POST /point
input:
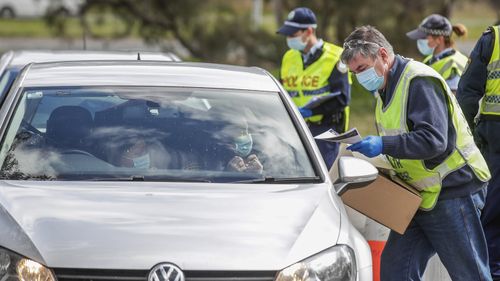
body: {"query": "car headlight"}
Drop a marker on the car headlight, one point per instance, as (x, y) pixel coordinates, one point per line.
(14, 267)
(334, 264)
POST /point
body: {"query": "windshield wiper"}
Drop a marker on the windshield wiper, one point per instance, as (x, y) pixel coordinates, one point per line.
(282, 180)
(148, 178)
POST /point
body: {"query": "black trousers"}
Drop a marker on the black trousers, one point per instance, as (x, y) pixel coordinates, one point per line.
(487, 134)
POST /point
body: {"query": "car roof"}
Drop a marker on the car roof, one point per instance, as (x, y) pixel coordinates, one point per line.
(24, 57)
(148, 73)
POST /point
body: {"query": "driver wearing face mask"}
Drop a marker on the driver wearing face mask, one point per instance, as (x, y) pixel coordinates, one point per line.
(136, 155)
(435, 42)
(310, 69)
(136, 152)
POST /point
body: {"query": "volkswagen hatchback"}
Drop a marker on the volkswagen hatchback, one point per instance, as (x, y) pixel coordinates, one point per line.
(167, 171)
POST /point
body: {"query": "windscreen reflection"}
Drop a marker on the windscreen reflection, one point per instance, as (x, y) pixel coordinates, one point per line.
(151, 133)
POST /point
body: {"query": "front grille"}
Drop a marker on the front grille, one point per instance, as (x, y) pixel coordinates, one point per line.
(64, 274)
(229, 275)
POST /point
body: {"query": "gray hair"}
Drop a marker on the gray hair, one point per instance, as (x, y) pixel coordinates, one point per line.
(365, 40)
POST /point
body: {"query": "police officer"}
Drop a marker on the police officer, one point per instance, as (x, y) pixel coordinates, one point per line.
(424, 136)
(311, 68)
(435, 42)
(479, 92)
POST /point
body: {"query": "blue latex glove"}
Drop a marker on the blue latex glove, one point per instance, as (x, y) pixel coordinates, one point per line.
(370, 146)
(306, 112)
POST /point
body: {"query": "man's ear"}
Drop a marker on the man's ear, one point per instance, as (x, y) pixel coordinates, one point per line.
(383, 54)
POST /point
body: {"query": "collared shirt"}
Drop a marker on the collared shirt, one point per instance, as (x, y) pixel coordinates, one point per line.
(443, 53)
(312, 51)
(392, 79)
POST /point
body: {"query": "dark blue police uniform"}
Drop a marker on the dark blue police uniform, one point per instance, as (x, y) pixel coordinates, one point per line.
(471, 89)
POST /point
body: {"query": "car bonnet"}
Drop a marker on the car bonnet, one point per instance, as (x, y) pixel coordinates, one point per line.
(135, 225)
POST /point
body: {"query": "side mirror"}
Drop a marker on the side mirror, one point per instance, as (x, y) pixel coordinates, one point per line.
(354, 173)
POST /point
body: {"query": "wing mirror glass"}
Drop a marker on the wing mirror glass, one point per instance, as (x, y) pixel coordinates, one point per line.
(354, 173)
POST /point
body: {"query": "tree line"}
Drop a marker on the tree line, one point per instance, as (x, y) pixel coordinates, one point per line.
(225, 31)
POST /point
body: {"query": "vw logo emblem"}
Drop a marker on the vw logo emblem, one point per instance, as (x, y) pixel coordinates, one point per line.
(166, 272)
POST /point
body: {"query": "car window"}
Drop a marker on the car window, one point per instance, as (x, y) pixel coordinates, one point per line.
(6, 81)
(152, 133)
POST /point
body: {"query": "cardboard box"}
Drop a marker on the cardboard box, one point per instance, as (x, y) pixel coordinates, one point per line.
(389, 202)
(385, 201)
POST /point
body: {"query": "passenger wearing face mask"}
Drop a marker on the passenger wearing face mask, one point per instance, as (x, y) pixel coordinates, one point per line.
(311, 68)
(426, 139)
(435, 42)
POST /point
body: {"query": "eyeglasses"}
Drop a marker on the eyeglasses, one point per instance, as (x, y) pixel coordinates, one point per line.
(353, 44)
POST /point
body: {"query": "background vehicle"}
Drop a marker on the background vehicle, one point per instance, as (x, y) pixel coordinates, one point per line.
(38, 8)
(111, 169)
(12, 61)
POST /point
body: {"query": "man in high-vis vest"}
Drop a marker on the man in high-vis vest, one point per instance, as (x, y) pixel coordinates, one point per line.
(312, 69)
(479, 92)
(423, 134)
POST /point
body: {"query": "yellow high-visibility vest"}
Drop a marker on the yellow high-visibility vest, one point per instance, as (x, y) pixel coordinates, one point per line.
(305, 84)
(490, 104)
(448, 65)
(392, 120)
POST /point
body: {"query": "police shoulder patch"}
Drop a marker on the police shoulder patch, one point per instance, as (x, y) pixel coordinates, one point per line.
(341, 67)
(488, 30)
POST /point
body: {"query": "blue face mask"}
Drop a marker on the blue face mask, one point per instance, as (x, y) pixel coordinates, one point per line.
(423, 47)
(296, 43)
(243, 145)
(370, 80)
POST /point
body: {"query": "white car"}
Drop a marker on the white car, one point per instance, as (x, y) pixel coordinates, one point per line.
(155, 171)
(12, 62)
(37, 8)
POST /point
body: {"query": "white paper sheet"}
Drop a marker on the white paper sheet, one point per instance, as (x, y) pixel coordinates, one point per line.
(351, 136)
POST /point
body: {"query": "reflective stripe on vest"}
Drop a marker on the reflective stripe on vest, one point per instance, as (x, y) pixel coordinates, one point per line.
(392, 120)
(490, 104)
(448, 65)
(305, 84)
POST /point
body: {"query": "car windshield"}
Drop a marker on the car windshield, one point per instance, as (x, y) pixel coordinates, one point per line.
(152, 133)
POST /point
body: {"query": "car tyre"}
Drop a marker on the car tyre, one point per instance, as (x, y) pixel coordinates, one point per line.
(7, 13)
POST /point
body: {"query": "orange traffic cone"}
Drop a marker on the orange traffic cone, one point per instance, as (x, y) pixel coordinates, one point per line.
(377, 247)
(376, 235)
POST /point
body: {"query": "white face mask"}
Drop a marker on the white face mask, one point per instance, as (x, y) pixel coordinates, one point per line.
(296, 43)
(142, 162)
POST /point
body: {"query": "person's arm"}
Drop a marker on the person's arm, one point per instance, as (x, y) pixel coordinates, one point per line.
(339, 82)
(427, 122)
(472, 83)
